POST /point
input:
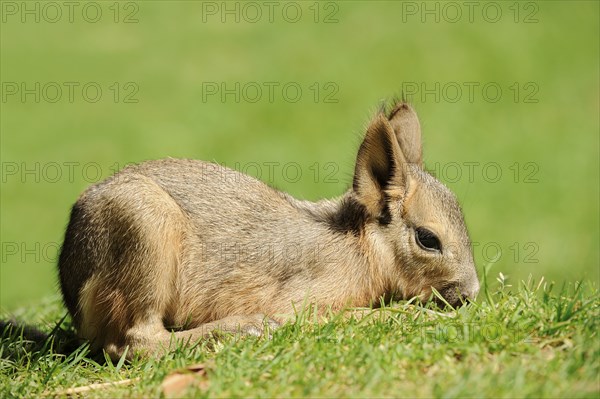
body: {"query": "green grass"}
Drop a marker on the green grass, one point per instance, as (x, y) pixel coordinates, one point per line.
(535, 340)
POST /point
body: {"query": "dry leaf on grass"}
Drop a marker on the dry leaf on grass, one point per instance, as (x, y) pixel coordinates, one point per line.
(177, 382)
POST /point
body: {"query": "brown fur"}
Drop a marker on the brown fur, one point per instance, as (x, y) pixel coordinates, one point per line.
(198, 247)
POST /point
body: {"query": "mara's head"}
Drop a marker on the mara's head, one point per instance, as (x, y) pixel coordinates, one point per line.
(417, 218)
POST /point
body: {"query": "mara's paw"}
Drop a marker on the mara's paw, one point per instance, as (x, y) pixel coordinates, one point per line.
(257, 325)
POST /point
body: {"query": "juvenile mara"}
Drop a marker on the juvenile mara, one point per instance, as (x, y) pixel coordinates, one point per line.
(195, 246)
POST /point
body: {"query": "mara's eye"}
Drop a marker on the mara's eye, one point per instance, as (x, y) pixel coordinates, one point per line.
(427, 240)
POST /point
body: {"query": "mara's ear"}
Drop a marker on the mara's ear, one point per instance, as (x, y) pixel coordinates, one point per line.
(407, 128)
(379, 165)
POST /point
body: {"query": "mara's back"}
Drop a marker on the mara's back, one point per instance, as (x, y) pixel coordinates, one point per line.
(209, 192)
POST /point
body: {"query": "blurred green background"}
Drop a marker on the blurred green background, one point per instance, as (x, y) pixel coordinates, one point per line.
(181, 79)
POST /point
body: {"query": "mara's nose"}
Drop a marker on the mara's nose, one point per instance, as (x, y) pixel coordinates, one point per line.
(471, 292)
(462, 299)
(457, 296)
